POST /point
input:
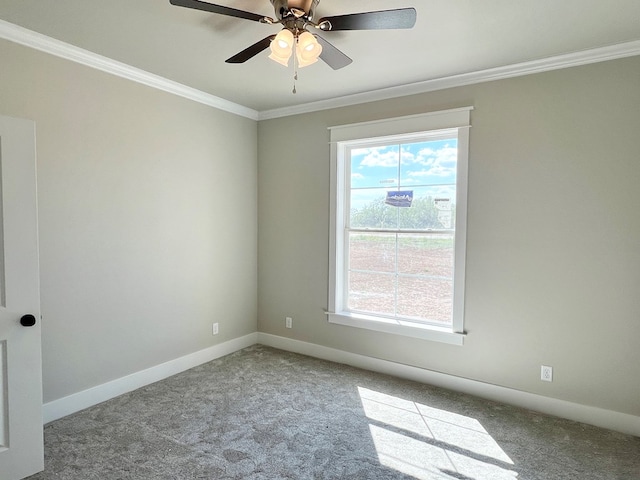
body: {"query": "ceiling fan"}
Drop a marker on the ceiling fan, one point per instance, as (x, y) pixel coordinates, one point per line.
(296, 17)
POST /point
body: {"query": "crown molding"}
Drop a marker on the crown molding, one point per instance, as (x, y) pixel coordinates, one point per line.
(38, 41)
(29, 38)
(585, 57)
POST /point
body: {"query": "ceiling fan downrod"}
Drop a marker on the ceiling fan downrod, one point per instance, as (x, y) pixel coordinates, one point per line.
(284, 8)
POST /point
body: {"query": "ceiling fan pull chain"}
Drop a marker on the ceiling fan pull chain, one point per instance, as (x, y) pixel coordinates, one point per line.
(295, 70)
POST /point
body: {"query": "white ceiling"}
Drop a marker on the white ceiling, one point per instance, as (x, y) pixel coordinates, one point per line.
(451, 37)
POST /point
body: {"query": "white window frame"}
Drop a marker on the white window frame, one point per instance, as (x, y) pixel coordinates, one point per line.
(345, 136)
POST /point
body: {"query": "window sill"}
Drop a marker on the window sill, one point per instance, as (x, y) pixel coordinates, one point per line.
(397, 327)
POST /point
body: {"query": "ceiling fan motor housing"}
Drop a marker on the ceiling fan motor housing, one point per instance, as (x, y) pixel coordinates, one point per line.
(283, 7)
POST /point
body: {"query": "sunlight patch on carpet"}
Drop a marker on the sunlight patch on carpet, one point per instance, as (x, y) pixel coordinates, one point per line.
(428, 443)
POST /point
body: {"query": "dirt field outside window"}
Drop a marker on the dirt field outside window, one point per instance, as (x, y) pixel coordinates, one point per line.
(411, 277)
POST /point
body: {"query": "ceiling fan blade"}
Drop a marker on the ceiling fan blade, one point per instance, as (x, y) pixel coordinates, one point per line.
(384, 19)
(332, 56)
(251, 51)
(210, 7)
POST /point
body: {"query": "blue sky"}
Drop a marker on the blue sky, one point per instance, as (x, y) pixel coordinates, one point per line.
(427, 168)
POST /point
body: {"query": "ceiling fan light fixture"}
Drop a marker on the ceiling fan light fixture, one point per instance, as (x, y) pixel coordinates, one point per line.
(282, 47)
(298, 15)
(307, 49)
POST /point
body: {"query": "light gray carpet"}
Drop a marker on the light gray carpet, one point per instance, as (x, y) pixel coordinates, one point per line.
(267, 414)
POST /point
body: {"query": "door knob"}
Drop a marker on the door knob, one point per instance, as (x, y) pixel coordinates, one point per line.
(28, 320)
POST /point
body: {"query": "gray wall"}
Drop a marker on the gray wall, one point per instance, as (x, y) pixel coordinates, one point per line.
(553, 256)
(148, 219)
(149, 207)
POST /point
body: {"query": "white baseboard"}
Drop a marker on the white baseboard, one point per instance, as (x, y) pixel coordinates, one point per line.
(79, 401)
(599, 417)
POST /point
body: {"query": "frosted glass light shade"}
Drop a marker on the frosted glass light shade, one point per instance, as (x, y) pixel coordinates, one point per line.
(307, 49)
(282, 47)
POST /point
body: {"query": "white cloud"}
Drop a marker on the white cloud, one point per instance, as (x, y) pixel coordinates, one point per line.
(426, 155)
(408, 158)
(409, 181)
(378, 158)
(438, 163)
(427, 162)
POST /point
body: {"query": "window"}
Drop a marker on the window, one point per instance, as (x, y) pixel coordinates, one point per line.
(398, 225)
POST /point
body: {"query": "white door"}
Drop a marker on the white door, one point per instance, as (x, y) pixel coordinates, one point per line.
(21, 442)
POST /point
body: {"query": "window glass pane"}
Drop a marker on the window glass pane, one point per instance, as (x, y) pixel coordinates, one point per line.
(369, 210)
(431, 208)
(371, 292)
(429, 163)
(427, 255)
(375, 166)
(425, 298)
(373, 252)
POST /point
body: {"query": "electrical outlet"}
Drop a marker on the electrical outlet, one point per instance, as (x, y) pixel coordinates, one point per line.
(288, 322)
(546, 373)
(215, 329)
